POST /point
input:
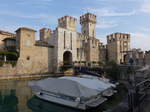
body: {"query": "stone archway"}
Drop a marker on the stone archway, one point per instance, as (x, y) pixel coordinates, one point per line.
(67, 58)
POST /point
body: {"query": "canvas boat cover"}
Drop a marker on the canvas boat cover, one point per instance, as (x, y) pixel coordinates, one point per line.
(97, 84)
(65, 87)
(72, 86)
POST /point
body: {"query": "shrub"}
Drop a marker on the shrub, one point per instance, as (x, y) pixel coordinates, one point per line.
(112, 70)
(10, 55)
(1, 63)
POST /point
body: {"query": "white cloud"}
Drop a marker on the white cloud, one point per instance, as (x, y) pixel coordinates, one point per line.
(45, 18)
(140, 40)
(144, 29)
(109, 12)
(103, 24)
(14, 27)
(23, 15)
(104, 13)
(9, 28)
(145, 6)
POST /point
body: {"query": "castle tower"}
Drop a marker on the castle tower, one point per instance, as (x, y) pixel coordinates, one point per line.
(25, 38)
(45, 34)
(88, 22)
(118, 45)
(68, 22)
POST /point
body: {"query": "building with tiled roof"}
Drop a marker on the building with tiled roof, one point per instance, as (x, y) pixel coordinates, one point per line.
(3, 36)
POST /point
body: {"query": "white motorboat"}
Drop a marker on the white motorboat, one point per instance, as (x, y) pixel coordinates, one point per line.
(76, 92)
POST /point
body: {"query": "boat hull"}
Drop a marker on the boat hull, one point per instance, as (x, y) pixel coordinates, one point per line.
(61, 101)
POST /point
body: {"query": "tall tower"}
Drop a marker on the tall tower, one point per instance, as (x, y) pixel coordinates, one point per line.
(118, 45)
(25, 38)
(45, 34)
(88, 22)
(68, 22)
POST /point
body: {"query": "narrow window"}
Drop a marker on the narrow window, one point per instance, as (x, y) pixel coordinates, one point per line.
(78, 52)
(71, 40)
(93, 33)
(64, 39)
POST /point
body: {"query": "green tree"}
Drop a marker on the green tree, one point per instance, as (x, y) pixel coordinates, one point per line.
(112, 70)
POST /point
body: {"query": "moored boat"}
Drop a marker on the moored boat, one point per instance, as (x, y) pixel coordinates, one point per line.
(77, 92)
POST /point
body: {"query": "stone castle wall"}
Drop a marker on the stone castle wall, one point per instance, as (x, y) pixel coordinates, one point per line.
(40, 62)
(32, 58)
(65, 40)
(93, 50)
(7, 69)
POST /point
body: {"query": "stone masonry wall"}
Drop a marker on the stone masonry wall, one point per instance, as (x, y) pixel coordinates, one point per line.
(33, 59)
(40, 63)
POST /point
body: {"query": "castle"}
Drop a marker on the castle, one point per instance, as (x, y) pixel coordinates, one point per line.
(66, 46)
(73, 47)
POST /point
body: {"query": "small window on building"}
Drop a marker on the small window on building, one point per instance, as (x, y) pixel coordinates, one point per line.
(93, 33)
(28, 57)
(92, 41)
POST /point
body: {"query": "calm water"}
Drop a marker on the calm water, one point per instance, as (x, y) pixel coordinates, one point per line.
(16, 96)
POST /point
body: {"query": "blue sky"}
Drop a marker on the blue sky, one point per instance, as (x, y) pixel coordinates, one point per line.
(128, 16)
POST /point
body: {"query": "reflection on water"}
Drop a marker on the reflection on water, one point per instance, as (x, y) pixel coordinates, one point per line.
(16, 96)
(8, 103)
(38, 105)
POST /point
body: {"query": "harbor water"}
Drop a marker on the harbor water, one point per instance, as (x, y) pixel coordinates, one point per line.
(16, 96)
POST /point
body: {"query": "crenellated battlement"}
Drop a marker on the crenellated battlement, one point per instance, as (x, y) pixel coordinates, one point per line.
(88, 23)
(46, 30)
(45, 33)
(67, 17)
(118, 37)
(68, 22)
(88, 17)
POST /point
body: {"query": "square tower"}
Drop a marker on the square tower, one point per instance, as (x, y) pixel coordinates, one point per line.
(68, 22)
(25, 39)
(88, 22)
(45, 34)
(118, 45)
